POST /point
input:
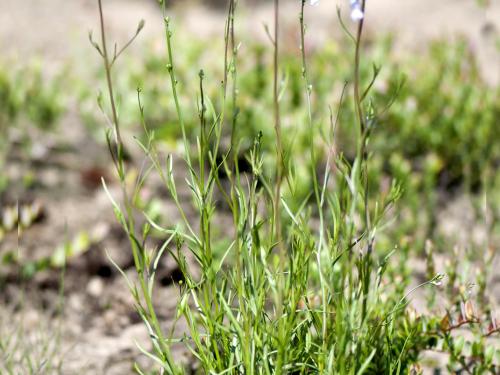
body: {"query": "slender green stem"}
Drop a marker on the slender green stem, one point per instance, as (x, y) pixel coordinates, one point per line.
(173, 82)
(362, 155)
(357, 78)
(108, 77)
(139, 260)
(119, 143)
(277, 129)
(317, 194)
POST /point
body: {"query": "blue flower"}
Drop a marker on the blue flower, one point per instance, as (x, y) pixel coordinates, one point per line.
(356, 10)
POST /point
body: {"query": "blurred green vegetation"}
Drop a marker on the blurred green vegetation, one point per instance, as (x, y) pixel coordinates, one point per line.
(26, 95)
(28, 101)
(438, 136)
(436, 129)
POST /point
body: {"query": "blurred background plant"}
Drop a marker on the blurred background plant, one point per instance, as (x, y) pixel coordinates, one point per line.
(439, 133)
(29, 104)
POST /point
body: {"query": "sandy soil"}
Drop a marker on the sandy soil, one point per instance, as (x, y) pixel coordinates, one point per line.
(56, 30)
(99, 339)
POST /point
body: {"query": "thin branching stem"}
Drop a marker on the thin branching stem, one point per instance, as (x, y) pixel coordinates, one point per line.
(277, 129)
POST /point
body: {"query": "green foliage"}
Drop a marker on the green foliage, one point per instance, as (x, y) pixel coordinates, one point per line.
(26, 95)
(27, 351)
(26, 98)
(301, 282)
(444, 120)
(439, 132)
(20, 217)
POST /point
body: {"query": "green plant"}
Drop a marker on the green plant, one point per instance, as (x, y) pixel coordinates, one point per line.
(26, 99)
(31, 344)
(300, 284)
(26, 95)
(433, 146)
(27, 351)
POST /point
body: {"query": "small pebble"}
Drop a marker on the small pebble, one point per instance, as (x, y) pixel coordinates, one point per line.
(95, 287)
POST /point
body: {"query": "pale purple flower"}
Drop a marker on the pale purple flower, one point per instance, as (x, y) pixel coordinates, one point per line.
(356, 10)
